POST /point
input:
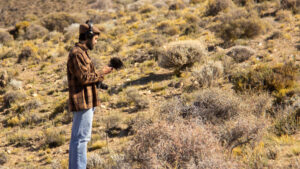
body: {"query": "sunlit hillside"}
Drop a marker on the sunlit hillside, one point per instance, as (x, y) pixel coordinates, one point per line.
(206, 83)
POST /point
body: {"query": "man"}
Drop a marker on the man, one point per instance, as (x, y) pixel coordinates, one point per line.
(83, 96)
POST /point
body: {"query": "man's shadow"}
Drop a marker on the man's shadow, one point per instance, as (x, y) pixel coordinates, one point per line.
(152, 77)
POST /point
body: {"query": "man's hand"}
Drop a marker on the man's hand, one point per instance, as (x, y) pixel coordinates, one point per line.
(107, 70)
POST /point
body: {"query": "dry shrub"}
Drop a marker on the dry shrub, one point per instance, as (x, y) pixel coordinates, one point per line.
(102, 4)
(133, 96)
(178, 4)
(168, 28)
(284, 16)
(32, 104)
(58, 21)
(181, 54)
(241, 2)
(12, 97)
(294, 5)
(207, 74)
(71, 31)
(34, 31)
(150, 38)
(147, 8)
(8, 54)
(19, 30)
(215, 105)
(216, 6)
(196, 1)
(26, 53)
(242, 130)
(100, 16)
(5, 38)
(94, 161)
(54, 36)
(257, 104)
(238, 23)
(176, 145)
(240, 53)
(140, 56)
(3, 78)
(3, 158)
(212, 105)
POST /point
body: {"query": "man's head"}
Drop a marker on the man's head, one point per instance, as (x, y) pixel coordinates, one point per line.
(88, 34)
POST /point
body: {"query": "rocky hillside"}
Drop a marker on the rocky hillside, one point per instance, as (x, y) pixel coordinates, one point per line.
(206, 83)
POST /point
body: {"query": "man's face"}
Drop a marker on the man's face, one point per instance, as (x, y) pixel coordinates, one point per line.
(92, 42)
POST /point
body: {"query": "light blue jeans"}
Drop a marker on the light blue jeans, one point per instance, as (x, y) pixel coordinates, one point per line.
(81, 135)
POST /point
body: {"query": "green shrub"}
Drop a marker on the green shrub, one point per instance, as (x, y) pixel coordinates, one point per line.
(58, 21)
(266, 77)
(181, 54)
(19, 30)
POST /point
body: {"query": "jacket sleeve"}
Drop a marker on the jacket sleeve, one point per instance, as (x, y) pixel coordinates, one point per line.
(81, 71)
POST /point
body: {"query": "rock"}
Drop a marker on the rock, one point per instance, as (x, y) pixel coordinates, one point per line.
(16, 84)
(240, 53)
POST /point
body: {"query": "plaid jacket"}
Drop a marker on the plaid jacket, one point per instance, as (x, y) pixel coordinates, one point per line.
(82, 79)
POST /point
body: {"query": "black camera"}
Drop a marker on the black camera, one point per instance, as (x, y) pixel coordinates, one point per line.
(101, 85)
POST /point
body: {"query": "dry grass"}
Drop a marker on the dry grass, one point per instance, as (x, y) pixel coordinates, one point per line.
(54, 137)
(12, 97)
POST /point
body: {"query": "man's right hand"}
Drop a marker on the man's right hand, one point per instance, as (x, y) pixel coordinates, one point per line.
(107, 70)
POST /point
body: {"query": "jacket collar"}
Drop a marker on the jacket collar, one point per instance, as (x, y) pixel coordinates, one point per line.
(82, 46)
